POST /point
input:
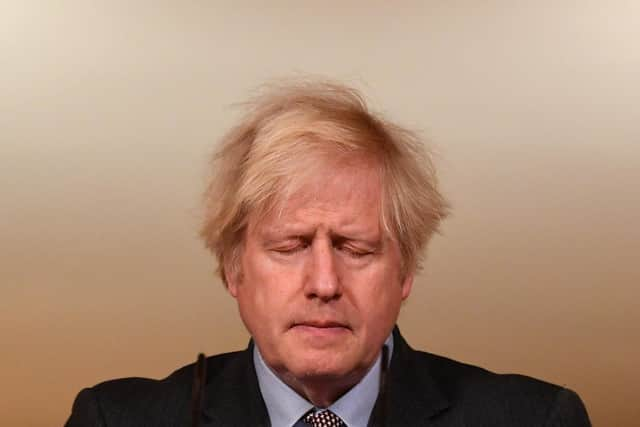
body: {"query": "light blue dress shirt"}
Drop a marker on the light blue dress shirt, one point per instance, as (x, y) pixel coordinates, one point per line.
(286, 407)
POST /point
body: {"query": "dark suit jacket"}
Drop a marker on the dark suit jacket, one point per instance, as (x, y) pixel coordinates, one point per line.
(422, 390)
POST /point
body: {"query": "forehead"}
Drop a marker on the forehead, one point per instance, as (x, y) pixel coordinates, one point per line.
(344, 196)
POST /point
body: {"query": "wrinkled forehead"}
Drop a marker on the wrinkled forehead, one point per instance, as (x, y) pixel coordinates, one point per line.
(346, 190)
(349, 179)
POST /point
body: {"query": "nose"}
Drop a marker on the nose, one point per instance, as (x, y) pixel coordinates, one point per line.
(322, 279)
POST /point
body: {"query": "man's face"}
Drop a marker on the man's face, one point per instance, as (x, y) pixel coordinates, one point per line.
(320, 285)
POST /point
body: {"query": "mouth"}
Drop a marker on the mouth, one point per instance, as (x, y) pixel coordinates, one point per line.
(320, 324)
(320, 330)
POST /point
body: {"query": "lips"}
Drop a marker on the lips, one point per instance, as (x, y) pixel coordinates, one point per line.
(321, 324)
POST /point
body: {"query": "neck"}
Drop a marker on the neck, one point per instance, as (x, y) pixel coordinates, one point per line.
(323, 392)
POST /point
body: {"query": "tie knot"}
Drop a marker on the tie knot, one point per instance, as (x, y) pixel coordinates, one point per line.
(323, 419)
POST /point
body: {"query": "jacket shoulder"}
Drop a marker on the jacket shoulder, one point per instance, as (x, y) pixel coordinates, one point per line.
(138, 401)
(459, 378)
(502, 399)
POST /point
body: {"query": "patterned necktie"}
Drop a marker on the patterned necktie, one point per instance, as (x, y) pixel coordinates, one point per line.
(324, 419)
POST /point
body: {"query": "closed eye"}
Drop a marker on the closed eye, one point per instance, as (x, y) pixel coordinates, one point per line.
(355, 252)
(291, 247)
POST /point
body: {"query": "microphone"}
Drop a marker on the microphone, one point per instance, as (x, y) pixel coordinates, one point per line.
(197, 391)
(381, 401)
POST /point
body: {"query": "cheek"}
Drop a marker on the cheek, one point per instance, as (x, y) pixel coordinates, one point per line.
(265, 287)
(377, 292)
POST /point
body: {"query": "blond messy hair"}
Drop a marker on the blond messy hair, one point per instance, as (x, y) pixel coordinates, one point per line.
(291, 129)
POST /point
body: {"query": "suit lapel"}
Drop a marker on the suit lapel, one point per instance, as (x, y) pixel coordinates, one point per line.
(412, 395)
(232, 396)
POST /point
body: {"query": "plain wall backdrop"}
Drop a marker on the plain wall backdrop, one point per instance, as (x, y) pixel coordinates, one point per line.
(109, 111)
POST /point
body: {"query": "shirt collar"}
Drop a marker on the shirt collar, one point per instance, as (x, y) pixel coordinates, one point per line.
(285, 406)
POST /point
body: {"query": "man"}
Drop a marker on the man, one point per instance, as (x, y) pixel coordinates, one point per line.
(318, 214)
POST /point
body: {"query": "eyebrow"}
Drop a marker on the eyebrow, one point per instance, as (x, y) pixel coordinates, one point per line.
(273, 235)
(374, 242)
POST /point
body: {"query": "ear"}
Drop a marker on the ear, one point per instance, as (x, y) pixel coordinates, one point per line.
(232, 270)
(232, 287)
(407, 284)
(232, 279)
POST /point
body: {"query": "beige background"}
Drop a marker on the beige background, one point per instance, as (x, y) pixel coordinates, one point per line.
(109, 110)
